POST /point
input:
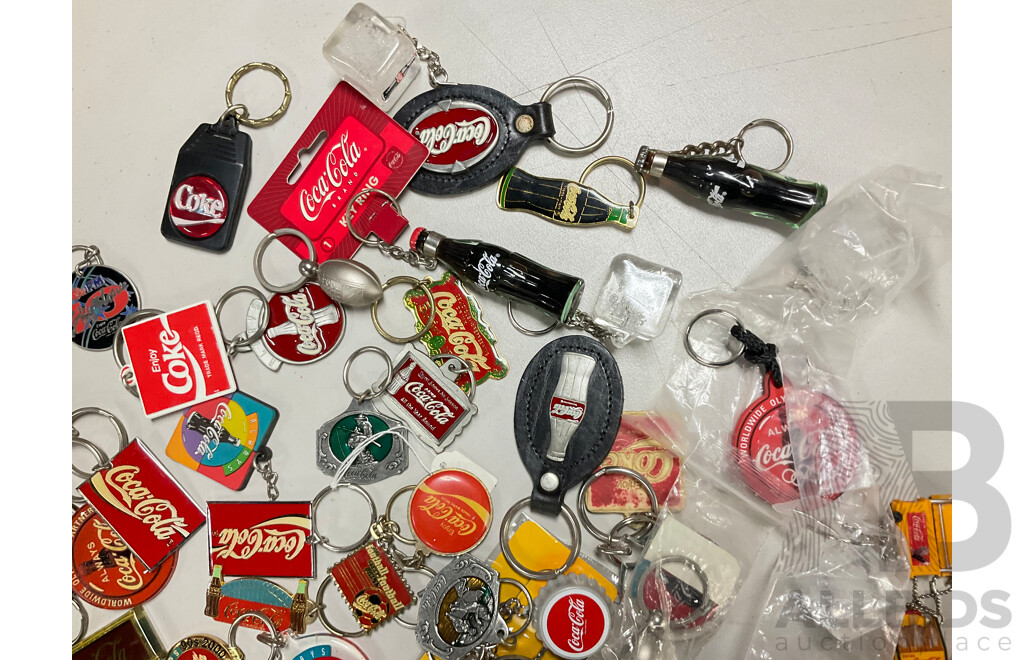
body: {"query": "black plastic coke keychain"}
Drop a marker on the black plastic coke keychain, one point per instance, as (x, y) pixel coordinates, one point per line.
(717, 173)
(212, 173)
(476, 133)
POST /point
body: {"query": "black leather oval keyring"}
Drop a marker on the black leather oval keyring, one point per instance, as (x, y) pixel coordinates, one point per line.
(475, 134)
(567, 414)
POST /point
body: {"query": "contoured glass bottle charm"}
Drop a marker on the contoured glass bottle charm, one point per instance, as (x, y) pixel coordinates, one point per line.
(718, 174)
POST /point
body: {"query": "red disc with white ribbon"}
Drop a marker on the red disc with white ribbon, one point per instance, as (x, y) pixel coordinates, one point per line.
(198, 207)
(305, 325)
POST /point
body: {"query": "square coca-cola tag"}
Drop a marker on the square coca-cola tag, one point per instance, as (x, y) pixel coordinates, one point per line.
(358, 146)
(435, 408)
(178, 359)
(261, 539)
(143, 504)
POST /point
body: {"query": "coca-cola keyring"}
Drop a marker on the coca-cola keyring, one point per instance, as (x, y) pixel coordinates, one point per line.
(717, 173)
(102, 459)
(212, 172)
(205, 646)
(475, 134)
(830, 450)
(545, 574)
(101, 300)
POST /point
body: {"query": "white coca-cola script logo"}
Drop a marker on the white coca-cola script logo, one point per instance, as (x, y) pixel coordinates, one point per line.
(340, 160)
(566, 409)
(769, 458)
(298, 311)
(440, 139)
(577, 618)
(485, 269)
(181, 369)
(211, 436)
(161, 516)
(441, 413)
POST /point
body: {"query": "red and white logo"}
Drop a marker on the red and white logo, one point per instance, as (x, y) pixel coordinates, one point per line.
(566, 409)
(575, 624)
(305, 325)
(198, 207)
(178, 359)
(261, 539)
(458, 134)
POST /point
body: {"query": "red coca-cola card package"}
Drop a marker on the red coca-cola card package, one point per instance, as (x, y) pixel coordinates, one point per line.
(178, 359)
(360, 147)
(144, 505)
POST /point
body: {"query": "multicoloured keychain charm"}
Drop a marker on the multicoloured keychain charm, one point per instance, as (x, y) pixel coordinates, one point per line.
(226, 601)
(101, 299)
(212, 172)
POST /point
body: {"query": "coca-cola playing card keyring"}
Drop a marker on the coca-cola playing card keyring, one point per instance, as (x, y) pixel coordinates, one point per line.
(547, 573)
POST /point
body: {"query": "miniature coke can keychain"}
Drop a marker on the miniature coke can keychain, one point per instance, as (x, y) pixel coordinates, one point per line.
(212, 172)
(767, 460)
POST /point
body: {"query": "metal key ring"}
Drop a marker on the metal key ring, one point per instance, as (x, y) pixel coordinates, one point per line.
(118, 350)
(770, 123)
(229, 92)
(612, 469)
(692, 352)
(233, 345)
(705, 602)
(84, 626)
(601, 93)
(547, 573)
(628, 522)
(529, 605)
(314, 535)
(422, 285)
(365, 240)
(323, 612)
(467, 368)
(429, 572)
(526, 331)
(101, 456)
(634, 208)
(238, 110)
(307, 267)
(92, 257)
(275, 646)
(391, 505)
(373, 390)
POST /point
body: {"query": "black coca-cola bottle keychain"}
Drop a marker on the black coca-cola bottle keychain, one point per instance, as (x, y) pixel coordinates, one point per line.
(212, 172)
(717, 173)
(475, 133)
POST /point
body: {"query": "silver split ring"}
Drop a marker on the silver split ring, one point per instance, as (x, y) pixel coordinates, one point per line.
(323, 612)
(275, 650)
(601, 93)
(467, 368)
(99, 454)
(529, 605)
(233, 345)
(118, 352)
(314, 536)
(351, 203)
(526, 331)
(305, 266)
(373, 390)
(692, 352)
(547, 573)
(769, 123)
(613, 469)
(705, 602)
(84, 625)
(429, 572)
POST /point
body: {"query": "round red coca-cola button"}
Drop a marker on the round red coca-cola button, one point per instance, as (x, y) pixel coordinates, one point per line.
(198, 207)
(450, 512)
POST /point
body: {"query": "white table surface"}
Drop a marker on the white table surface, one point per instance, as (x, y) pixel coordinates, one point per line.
(859, 85)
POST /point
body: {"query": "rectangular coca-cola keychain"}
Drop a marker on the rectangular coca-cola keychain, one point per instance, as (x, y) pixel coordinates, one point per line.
(261, 539)
(144, 504)
(177, 359)
(349, 146)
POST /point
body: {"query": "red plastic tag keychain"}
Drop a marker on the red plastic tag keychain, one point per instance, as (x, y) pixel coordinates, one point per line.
(761, 438)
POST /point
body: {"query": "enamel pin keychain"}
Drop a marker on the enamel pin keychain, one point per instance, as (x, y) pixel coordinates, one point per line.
(102, 298)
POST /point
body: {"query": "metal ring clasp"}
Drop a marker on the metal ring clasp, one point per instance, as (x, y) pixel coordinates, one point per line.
(634, 208)
(276, 641)
(366, 192)
(394, 531)
(548, 573)
(244, 119)
(118, 352)
(83, 627)
(430, 573)
(373, 390)
(705, 601)
(99, 454)
(322, 609)
(232, 346)
(527, 331)
(422, 285)
(527, 615)
(769, 123)
(609, 538)
(466, 368)
(692, 352)
(92, 257)
(307, 267)
(314, 535)
(602, 95)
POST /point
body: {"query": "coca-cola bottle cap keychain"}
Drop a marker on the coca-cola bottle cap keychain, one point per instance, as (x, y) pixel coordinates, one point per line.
(102, 298)
(212, 172)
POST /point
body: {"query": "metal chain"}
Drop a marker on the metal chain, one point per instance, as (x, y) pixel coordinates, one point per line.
(586, 323)
(438, 76)
(408, 256)
(731, 147)
(266, 469)
(91, 258)
(917, 601)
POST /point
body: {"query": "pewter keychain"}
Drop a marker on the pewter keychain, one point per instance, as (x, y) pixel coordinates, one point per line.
(212, 172)
(102, 298)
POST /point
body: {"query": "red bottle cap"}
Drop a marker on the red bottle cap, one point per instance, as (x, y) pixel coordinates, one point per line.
(412, 239)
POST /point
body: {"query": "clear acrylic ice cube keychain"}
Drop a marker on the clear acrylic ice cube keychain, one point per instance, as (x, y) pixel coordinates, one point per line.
(636, 299)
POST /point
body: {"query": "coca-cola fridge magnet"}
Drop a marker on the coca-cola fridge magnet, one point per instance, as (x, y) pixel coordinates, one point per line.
(101, 299)
(567, 414)
(574, 616)
(831, 454)
(212, 172)
(425, 397)
(143, 504)
(475, 134)
(351, 145)
(570, 203)
(261, 539)
(226, 601)
(221, 438)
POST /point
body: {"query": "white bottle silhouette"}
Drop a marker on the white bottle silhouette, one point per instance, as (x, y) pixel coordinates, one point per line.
(572, 386)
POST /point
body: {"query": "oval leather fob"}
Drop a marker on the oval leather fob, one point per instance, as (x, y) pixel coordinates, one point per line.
(473, 133)
(567, 414)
